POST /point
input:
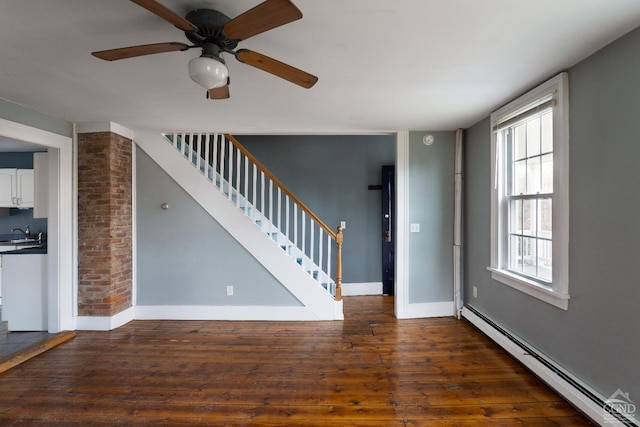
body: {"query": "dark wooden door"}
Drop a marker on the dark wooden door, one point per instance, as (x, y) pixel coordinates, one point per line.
(388, 229)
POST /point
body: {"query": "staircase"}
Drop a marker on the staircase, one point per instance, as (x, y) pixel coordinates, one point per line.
(280, 232)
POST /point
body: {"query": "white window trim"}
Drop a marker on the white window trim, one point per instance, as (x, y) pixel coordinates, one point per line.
(558, 294)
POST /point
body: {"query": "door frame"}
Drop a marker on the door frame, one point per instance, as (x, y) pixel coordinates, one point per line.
(61, 280)
(401, 280)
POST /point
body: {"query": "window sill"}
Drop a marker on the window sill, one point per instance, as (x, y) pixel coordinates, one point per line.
(530, 287)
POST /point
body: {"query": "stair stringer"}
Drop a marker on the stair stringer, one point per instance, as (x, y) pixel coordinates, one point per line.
(315, 299)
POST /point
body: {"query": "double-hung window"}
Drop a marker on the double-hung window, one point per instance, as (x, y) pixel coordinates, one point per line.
(530, 189)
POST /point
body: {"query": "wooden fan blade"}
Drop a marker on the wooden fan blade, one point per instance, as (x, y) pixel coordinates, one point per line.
(263, 17)
(219, 92)
(141, 50)
(277, 68)
(167, 14)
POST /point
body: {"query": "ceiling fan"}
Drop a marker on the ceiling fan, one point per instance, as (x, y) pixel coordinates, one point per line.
(216, 33)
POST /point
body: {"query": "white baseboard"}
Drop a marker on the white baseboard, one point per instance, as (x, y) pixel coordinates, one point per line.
(198, 312)
(366, 288)
(267, 313)
(551, 376)
(428, 309)
(105, 323)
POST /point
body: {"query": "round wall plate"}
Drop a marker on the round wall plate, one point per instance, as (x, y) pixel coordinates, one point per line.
(428, 139)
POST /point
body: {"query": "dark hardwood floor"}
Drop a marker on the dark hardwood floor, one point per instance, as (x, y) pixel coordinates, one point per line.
(369, 370)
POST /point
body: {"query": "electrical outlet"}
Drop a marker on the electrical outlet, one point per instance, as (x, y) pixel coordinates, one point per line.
(475, 292)
(229, 291)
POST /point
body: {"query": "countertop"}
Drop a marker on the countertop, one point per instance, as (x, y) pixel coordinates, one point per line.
(27, 251)
(22, 247)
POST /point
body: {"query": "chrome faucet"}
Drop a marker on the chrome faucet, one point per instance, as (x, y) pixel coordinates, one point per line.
(26, 233)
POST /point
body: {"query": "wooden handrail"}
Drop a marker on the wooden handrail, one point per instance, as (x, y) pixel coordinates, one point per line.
(196, 157)
(276, 181)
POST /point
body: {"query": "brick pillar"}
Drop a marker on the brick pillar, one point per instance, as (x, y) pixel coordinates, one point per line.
(104, 224)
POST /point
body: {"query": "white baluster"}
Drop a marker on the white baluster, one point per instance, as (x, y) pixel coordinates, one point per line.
(230, 180)
(175, 141)
(304, 234)
(183, 147)
(295, 225)
(279, 208)
(320, 244)
(311, 240)
(271, 221)
(238, 187)
(262, 198)
(198, 152)
(287, 202)
(255, 186)
(246, 180)
(191, 144)
(223, 154)
(214, 162)
(329, 244)
(207, 148)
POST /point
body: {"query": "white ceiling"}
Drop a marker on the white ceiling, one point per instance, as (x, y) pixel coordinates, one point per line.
(382, 65)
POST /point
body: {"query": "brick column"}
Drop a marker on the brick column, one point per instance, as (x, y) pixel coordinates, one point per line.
(104, 224)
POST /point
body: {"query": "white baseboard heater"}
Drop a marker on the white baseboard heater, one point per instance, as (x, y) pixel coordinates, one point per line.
(591, 403)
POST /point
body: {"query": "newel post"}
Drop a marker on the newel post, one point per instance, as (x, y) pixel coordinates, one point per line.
(339, 239)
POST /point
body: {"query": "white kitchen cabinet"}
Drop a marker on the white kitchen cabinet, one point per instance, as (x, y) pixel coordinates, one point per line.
(7, 187)
(16, 188)
(24, 293)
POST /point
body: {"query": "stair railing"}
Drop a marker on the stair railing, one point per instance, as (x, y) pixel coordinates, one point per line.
(266, 201)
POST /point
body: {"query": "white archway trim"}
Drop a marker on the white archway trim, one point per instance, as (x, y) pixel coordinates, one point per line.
(61, 235)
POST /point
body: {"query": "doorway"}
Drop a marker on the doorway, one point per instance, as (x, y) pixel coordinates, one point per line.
(388, 229)
(60, 277)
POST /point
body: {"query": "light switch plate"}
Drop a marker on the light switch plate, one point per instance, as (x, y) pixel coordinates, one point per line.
(415, 228)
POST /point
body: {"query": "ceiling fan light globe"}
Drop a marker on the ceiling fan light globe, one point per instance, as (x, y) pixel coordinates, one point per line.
(208, 72)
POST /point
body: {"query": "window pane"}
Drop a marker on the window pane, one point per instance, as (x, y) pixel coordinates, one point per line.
(529, 217)
(533, 137)
(534, 176)
(519, 177)
(515, 253)
(515, 216)
(547, 173)
(544, 221)
(529, 256)
(544, 260)
(547, 132)
(519, 140)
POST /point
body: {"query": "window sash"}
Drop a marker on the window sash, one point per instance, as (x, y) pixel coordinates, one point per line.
(557, 292)
(523, 181)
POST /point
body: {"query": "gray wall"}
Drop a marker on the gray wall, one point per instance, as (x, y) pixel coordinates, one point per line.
(184, 257)
(18, 160)
(431, 181)
(597, 338)
(331, 175)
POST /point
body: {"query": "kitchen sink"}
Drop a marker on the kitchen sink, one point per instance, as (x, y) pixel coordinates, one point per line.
(24, 241)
